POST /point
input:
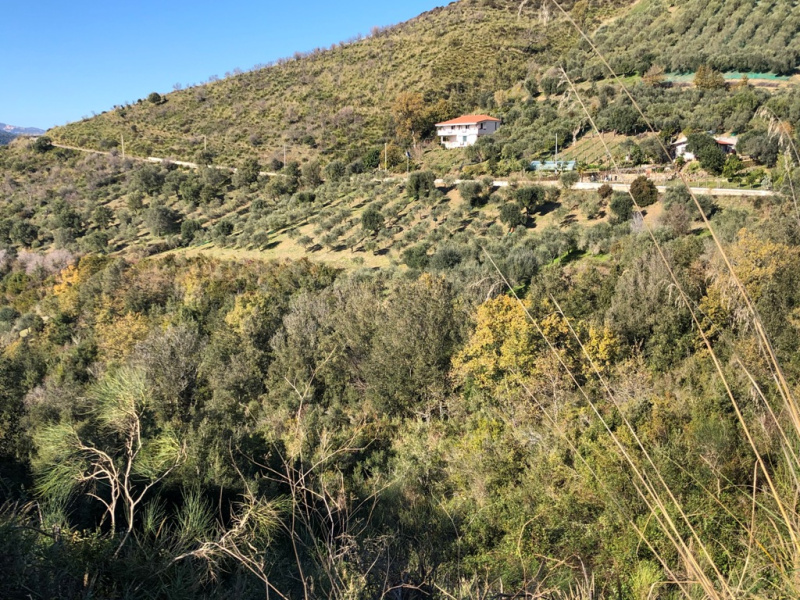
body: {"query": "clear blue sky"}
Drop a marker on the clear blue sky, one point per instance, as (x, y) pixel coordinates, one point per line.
(63, 60)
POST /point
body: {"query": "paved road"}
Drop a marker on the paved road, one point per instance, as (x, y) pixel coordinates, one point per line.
(624, 187)
(583, 185)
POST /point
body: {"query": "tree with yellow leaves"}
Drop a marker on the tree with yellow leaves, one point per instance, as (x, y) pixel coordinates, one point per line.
(408, 111)
(413, 118)
(505, 342)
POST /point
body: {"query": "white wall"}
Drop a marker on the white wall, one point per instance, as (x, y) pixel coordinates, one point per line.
(459, 132)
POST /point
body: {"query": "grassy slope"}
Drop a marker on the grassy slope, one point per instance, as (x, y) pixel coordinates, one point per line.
(337, 102)
(341, 97)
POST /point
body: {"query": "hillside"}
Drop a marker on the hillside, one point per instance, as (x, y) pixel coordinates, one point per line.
(452, 379)
(333, 111)
(747, 36)
(344, 433)
(339, 101)
(5, 137)
(342, 102)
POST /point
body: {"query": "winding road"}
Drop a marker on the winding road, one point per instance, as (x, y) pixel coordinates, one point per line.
(583, 185)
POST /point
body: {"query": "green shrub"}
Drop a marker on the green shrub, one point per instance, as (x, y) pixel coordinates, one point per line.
(189, 229)
(622, 206)
(605, 192)
(42, 144)
(511, 214)
(161, 220)
(644, 191)
(335, 170)
(569, 179)
(471, 193)
(531, 197)
(421, 184)
(372, 220)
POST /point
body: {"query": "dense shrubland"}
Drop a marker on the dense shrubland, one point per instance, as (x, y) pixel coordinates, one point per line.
(524, 392)
(198, 428)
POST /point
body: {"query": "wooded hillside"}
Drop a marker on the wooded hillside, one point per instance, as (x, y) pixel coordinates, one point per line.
(317, 378)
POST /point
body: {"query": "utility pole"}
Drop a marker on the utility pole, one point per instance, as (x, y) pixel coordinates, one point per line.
(386, 156)
(205, 143)
(284, 155)
(122, 135)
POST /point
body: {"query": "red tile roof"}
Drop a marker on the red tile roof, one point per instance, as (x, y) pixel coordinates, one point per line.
(469, 120)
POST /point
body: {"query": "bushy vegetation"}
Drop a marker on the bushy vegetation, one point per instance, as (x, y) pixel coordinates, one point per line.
(289, 376)
(293, 425)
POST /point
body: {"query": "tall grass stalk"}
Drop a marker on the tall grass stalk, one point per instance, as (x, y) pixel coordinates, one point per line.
(783, 386)
(693, 552)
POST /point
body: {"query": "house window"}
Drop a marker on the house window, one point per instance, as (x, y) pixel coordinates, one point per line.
(464, 139)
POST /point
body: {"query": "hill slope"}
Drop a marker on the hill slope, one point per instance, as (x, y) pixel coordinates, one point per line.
(331, 100)
(340, 101)
(746, 36)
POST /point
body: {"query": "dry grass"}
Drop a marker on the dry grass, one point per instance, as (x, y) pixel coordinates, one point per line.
(340, 97)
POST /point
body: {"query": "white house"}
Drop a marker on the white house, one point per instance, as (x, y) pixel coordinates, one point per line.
(465, 131)
(679, 147)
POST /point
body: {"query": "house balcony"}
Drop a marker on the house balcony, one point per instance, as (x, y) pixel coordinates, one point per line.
(448, 131)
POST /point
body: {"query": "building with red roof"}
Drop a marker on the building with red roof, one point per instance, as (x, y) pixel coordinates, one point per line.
(465, 131)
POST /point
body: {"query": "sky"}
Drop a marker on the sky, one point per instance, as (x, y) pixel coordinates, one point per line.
(62, 61)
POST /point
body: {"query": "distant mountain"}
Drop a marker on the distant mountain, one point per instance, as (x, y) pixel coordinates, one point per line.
(15, 131)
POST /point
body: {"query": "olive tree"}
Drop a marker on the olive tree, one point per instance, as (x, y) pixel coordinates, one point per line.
(644, 191)
(372, 220)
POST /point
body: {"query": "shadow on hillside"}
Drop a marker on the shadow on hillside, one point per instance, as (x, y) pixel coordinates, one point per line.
(463, 225)
(548, 207)
(573, 256)
(569, 220)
